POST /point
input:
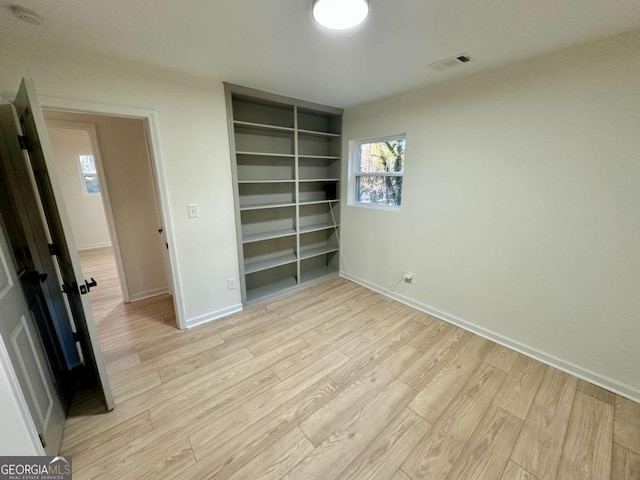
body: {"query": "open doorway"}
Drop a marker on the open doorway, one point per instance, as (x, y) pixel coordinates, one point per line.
(105, 170)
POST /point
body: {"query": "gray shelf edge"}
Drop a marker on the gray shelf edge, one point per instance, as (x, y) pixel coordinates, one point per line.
(262, 126)
(268, 264)
(266, 154)
(318, 228)
(316, 133)
(317, 202)
(309, 180)
(316, 252)
(265, 181)
(319, 157)
(270, 205)
(267, 236)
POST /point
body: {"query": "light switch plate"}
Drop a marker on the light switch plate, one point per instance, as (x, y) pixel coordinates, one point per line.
(193, 210)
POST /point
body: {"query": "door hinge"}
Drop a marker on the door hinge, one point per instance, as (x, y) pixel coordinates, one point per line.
(24, 143)
(42, 440)
(52, 249)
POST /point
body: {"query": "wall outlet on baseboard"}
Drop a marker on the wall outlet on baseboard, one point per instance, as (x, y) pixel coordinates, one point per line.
(231, 284)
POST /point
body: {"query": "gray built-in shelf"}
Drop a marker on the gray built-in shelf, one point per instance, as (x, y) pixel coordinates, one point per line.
(286, 172)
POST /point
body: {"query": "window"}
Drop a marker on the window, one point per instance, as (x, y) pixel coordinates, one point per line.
(89, 174)
(378, 170)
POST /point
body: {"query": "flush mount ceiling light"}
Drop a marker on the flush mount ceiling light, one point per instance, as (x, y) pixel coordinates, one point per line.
(340, 14)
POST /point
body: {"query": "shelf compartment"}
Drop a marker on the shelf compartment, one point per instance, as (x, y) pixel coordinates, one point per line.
(267, 283)
(265, 195)
(313, 145)
(259, 141)
(318, 243)
(319, 122)
(260, 111)
(319, 268)
(267, 254)
(258, 225)
(318, 168)
(314, 216)
(317, 191)
(265, 167)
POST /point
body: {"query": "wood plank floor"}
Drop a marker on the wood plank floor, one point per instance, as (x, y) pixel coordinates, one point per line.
(334, 382)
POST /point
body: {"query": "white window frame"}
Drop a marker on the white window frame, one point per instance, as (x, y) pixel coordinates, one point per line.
(83, 174)
(354, 173)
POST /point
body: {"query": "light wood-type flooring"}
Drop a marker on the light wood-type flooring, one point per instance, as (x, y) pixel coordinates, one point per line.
(337, 382)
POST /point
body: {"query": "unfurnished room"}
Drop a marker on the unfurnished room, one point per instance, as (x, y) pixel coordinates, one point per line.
(320, 239)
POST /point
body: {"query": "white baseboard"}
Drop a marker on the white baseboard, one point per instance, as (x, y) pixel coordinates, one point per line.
(91, 246)
(607, 383)
(136, 297)
(208, 317)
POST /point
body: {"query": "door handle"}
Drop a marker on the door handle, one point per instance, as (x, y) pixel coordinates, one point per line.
(86, 288)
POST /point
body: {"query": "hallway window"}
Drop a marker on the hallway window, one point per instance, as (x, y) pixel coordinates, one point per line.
(89, 174)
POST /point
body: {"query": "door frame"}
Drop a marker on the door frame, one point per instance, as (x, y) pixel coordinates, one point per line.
(90, 128)
(151, 126)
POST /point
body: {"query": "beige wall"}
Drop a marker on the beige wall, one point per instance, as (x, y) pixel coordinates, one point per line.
(521, 205)
(86, 211)
(194, 149)
(129, 178)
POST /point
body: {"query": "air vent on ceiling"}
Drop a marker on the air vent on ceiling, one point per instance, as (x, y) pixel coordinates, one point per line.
(450, 62)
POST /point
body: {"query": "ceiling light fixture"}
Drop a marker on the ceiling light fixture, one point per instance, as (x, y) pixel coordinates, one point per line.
(340, 14)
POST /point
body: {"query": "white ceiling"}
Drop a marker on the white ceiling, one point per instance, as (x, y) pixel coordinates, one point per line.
(274, 45)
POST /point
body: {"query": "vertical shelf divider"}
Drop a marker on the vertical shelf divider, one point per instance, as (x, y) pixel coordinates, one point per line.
(297, 173)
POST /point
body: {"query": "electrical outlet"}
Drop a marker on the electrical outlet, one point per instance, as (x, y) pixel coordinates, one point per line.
(408, 277)
(231, 284)
(193, 210)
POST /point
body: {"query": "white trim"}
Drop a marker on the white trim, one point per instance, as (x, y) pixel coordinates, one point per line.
(91, 246)
(72, 105)
(90, 128)
(136, 297)
(223, 312)
(18, 396)
(590, 376)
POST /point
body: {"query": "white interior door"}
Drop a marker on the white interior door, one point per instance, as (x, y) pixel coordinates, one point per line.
(19, 315)
(31, 126)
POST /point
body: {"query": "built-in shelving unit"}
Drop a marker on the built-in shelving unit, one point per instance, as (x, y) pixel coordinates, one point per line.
(286, 171)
